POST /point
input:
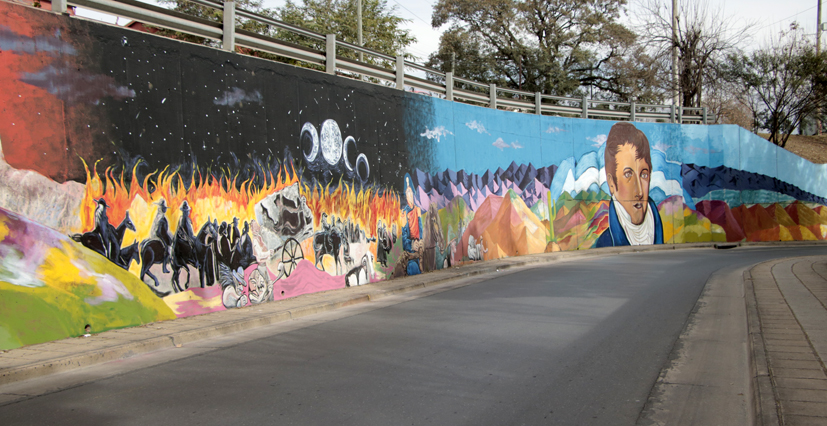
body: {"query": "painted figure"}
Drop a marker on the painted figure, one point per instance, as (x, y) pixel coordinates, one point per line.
(160, 231)
(633, 217)
(235, 293)
(411, 233)
(102, 227)
(385, 239)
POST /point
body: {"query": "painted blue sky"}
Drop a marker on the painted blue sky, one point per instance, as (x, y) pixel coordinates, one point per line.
(477, 139)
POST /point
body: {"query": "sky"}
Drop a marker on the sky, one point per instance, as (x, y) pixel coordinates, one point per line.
(769, 16)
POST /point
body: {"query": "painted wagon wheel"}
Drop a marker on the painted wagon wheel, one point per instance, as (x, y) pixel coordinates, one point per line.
(291, 253)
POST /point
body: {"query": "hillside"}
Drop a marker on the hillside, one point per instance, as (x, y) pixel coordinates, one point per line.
(813, 148)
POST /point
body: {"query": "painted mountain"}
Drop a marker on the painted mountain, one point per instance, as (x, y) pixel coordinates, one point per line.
(701, 180)
(774, 222)
(505, 226)
(529, 183)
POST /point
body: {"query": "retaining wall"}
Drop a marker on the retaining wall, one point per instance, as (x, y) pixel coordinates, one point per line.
(146, 179)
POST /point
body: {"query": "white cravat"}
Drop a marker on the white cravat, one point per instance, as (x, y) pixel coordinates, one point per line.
(636, 234)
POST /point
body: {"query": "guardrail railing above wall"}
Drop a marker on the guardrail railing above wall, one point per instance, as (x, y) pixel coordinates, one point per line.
(441, 84)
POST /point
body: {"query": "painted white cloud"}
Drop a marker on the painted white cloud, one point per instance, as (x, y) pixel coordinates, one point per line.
(437, 133)
(552, 129)
(500, 143)
(589, 176)
(598, 140)
(669, 186)
(237, 95)
(476, 125)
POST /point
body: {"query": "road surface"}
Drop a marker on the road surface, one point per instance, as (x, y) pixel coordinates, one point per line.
(578, 342)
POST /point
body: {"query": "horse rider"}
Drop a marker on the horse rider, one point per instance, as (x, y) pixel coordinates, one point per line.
(160, 231)
(184, 234)
(102, 227)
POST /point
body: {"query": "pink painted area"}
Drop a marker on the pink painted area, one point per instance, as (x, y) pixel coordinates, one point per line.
(306, 279)
(203, 301)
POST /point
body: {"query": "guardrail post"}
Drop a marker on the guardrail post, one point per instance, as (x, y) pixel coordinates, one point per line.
(229, 26)
(59, 6)
(330, 53)
(680, 114)
(585, 105)
(400, 72)
(703, 117)
(672, 113)
(632, 112)
(449, 85)
(492, 96)
(538, 103)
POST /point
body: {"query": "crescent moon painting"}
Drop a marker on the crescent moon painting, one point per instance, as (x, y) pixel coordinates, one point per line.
(309, 130)
(348, 141)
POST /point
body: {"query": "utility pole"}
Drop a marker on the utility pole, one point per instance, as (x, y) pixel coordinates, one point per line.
(359, 31)
(818, 52)
(675, 52)
(818, 29)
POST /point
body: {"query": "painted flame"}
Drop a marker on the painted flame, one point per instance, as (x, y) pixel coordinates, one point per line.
(210, 200)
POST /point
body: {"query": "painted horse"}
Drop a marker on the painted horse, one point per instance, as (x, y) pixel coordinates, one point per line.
(93, 240)
(329, 241)
(196, 253)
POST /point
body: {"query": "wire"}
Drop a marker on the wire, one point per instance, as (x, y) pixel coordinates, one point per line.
(414, 14)
(791, 16)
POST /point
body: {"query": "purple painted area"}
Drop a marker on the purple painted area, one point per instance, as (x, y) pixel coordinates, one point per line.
(25, 247)
(306, 279)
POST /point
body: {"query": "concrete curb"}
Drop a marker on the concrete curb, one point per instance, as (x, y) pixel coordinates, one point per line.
(187, 330)
(763, 396)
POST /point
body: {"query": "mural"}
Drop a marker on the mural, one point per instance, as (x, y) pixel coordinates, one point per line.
(145, 179)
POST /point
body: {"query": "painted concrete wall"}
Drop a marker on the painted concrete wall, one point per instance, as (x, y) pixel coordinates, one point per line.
(145, 179)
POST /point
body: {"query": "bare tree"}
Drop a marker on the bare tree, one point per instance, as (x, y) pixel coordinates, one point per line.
(704, 37)
(785, 82)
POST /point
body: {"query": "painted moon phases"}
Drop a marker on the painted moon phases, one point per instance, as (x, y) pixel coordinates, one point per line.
(362, 159)
(309, 132)
(331, 141)
(348, 141)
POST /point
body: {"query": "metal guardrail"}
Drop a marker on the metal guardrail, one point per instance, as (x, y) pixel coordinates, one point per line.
(450, 88)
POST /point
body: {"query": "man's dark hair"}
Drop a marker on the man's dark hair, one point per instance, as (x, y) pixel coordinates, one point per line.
(621, 134)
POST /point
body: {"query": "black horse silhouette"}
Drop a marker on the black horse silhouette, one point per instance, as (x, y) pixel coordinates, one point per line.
(93, 240)
(152, 253)
(329, 242)
(196, 253)
(128, 254)
(242, 255)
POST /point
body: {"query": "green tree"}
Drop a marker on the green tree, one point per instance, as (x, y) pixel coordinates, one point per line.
(217, 15)
(381, 28)
(550, 46)
(784, 82)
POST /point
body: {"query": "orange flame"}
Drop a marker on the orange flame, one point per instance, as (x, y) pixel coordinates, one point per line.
(209, 200)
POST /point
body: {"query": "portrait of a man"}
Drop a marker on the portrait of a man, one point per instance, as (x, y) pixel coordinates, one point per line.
(633, 217)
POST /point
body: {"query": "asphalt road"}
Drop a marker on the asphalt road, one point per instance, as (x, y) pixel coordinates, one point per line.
(579, 342)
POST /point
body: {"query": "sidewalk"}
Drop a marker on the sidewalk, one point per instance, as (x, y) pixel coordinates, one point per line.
(787, 314)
